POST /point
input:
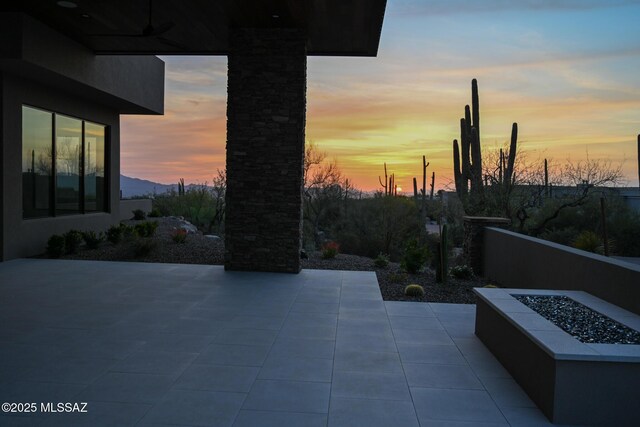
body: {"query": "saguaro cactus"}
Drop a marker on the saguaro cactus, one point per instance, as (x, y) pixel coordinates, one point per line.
(424, 181)
(386, 180)
(423, 191)
(508, 173)
(547, 191)
(469, 153)
(467, 156)
(433, 183)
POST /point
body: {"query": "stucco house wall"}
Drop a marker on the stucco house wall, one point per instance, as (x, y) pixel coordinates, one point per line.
(42, 68)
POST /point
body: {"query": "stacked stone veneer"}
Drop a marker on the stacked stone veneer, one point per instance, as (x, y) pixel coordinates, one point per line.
(265, 149)
(473, 245)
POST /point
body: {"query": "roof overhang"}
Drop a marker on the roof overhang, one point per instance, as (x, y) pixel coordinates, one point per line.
(130, 84)
(202, 27)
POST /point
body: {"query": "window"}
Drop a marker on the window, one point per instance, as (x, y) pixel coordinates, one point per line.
(37, 162)
(94, 183)
(63, 164)
(67, 164)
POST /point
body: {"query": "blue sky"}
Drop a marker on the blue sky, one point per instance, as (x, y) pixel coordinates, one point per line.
(566, 70)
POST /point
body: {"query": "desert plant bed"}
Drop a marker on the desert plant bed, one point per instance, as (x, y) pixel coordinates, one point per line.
(197, 248)
(586, 381)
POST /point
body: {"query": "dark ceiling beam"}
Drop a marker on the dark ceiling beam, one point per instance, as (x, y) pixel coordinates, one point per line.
(201, 27)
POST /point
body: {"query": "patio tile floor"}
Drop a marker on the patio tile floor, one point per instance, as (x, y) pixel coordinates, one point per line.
(193, 345)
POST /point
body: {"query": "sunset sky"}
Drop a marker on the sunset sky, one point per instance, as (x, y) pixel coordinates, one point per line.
(568, 71)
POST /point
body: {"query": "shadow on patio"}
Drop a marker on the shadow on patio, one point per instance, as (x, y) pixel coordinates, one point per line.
(193, 345)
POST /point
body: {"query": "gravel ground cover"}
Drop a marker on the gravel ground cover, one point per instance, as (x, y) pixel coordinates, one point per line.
(576, 319)
(199, 249)
(393, 279)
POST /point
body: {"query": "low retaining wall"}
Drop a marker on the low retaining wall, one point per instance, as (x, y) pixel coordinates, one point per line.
(517, 261)
(127, 207)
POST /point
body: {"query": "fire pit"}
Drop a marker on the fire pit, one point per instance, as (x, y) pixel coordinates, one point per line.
(577, 356)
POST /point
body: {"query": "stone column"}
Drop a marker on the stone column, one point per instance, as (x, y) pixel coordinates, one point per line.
(473, 245)
(266, 110)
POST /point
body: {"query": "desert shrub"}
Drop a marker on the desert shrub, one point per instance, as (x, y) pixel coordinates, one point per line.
(151, 227)
(461, 272)
(129, 232)
(397, 277)
(369, 226)
(114, 234)
(587, 241)
(432, 242)
(141, 229)
(414, 291)
(55, 246)
(139, 215)
(202, 205)
(92, 239)
(563, 236)
(155, 213)
(146, 229)
(72, 240)
(415, 256)
(330, 250)
(381, 261)
(179, 235)
(143, 247)
(624, 227)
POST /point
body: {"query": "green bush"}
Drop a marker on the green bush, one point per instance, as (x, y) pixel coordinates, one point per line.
(143, 247)
(330, 250)
(587, 241)
(114, 234)
(139, 215)
(563, 236)
(366, 226)
(623, 225)
(155, 213)
(414, 291)
(72, 240)
(92, 239)
(146, 229)
(55, 246)
(129, 232)
(415, 257)
(381, 261)
(179, 235)
(202, 205)
(461, 272)
(397, 277)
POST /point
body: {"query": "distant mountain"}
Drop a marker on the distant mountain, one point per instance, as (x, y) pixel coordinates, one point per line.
(132, 187)
(136, 187)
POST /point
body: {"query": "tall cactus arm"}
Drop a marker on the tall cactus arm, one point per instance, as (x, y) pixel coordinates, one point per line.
(475, 104)
(467, 119)
(457, 173)
(465, 136)
(433, 183)
(508, 175)
(476, 161)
